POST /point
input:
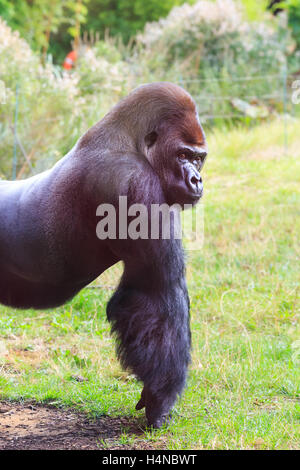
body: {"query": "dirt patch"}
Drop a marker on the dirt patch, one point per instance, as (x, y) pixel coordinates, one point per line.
(31, 426)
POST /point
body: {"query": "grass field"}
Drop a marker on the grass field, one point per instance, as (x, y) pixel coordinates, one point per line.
(244, 384)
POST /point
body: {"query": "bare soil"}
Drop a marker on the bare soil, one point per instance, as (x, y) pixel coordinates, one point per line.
(31, 426)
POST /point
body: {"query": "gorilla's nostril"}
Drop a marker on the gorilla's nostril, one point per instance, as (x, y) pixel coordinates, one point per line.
(195, 180)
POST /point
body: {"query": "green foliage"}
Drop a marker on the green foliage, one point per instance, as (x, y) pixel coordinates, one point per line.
(213, 36)
(293, 8)
(126, 17)
(36, 20)
(213, 43)
(59, 21)
(294, 20)
(103, 68)
(255, 9)
(56, 23)
(78, 11)
(45, 103)
(7, 10)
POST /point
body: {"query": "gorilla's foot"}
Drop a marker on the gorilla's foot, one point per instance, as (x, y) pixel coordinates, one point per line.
(158, 410)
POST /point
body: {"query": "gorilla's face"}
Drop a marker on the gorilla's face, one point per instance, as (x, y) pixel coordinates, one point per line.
(177, 151)
(187, 184)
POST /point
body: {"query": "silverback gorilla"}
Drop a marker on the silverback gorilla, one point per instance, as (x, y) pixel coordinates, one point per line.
(150, 147)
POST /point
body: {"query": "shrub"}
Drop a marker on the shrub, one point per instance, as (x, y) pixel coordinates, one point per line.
(211, 48)
(46, 111)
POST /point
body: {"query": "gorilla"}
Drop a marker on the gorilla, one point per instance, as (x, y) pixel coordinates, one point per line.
(150, 148)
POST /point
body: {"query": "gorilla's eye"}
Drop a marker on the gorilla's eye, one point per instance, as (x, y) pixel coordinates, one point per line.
(182, 156)
(197, 159)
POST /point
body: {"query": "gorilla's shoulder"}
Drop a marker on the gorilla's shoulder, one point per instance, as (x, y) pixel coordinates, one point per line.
(143, 184)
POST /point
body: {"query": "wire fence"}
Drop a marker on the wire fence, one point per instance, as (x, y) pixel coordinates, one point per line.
(248, 100)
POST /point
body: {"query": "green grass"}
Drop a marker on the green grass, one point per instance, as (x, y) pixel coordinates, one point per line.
(243, 389)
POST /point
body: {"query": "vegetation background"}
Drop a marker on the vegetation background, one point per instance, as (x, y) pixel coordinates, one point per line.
(240, 61)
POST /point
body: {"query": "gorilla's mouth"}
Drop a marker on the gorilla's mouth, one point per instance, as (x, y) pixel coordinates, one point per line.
(182, 194)
(196, 197)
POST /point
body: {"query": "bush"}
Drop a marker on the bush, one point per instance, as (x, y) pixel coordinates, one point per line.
(46, 111)
(211, 40)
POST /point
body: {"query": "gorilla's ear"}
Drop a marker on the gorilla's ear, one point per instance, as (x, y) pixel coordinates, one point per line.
(151, 138)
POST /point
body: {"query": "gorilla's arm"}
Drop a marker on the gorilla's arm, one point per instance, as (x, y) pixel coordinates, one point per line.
(149, 314)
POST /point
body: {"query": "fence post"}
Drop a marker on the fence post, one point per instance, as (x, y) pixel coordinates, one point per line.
(14, 167)
(283, 24)
(285, 102)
